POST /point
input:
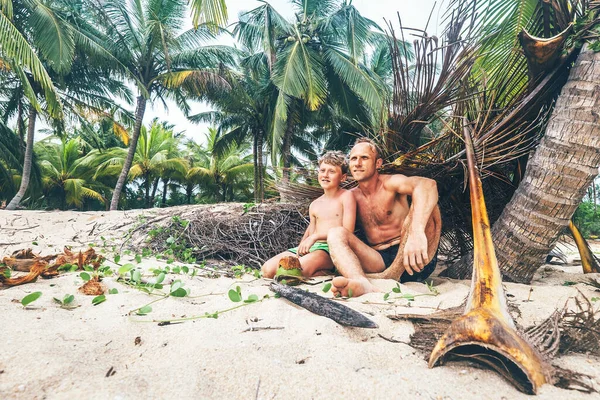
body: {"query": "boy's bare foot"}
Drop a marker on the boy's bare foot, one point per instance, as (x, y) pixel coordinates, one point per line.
(352, 287)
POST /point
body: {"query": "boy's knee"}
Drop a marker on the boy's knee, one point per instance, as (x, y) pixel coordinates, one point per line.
(267, 270)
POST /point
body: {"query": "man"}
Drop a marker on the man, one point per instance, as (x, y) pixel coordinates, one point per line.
(397, 235)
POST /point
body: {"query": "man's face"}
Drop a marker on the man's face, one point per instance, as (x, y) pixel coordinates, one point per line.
(363, 162)
(330, 176)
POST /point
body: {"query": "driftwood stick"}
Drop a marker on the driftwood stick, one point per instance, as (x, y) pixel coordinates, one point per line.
(314, 303)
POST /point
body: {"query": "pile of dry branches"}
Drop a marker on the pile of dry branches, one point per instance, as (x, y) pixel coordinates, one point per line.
(233, 232)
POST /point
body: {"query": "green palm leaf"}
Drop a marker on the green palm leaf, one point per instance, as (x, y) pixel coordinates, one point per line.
(14, 46)
(209, 12)
(299, 73)
(53, 36)
(362, 83)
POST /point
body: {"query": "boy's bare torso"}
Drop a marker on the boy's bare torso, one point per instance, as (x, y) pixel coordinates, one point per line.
(328, 212)
(381, 214)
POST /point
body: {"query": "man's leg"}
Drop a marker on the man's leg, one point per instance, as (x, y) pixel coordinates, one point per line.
(314, 262)
(352, 258)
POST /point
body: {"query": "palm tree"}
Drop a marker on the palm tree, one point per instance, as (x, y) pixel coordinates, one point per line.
(79, 80)
(145, 37)
(223, 176)
(314, 61)
(154, 157)
(566, 160)
(67, 174)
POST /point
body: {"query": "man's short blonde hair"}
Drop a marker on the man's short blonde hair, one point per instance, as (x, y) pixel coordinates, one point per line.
(336, 158)
(371, 144)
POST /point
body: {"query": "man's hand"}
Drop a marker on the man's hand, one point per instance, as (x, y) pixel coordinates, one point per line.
(306, 244)
(415, 253)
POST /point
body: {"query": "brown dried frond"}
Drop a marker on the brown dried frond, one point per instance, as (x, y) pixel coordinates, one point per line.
(88, 257)
(93, 287)
(581, 328)
(36, 270)
(429, 328)
(545, 336)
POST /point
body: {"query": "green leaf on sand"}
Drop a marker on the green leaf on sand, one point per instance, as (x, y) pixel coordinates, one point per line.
(326, 287)
(144, 310)
(98, 299)
(126, 268)
(30, 298)
(234, 296)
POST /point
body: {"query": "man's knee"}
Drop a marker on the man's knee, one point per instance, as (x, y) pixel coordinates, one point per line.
(337, 234)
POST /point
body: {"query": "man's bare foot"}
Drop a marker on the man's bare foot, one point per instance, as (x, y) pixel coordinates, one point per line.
(352, 287)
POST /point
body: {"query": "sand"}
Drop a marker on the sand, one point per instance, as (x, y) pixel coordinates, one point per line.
(267, 350)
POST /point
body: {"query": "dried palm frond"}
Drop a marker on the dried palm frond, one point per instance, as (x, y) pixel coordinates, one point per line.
(27, 261)
(93, 287)
(581, 328)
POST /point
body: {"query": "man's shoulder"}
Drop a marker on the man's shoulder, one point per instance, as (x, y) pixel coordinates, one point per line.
(390, 182)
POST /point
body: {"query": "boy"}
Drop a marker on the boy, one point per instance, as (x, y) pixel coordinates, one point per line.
(335, 208)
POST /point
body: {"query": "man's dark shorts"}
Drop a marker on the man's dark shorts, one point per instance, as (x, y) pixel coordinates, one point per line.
(389, 255)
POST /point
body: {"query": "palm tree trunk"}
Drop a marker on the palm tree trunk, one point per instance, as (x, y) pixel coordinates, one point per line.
(286, 148)
(147, 191)
(256, 170)
(565, 163)
(164, 193)
(139, 116)
(260, 168)
(188, 192)
(20, 123)
(26, 162)
(154, 189)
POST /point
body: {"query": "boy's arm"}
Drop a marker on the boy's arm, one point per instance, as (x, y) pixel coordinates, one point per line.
(307, 242)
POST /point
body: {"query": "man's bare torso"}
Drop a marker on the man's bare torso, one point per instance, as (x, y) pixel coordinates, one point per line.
(381, 214)
(328, 213)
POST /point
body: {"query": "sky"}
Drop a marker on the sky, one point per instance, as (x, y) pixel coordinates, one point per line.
(414, 14)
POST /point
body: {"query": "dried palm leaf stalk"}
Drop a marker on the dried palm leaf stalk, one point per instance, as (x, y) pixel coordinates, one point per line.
(486, 332)
(589, 262)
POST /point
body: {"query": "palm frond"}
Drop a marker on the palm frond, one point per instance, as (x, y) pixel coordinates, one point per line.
(14, 46)
(209, 12)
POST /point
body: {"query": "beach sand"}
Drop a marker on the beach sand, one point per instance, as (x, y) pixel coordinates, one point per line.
(266, 350)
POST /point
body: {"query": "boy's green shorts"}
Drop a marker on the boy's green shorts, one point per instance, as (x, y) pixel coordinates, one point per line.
(317, 246)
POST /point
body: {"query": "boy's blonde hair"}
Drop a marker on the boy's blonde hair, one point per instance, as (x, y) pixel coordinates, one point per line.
(336, 158)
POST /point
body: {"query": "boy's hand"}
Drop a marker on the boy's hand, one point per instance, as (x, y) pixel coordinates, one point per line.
(305, 245)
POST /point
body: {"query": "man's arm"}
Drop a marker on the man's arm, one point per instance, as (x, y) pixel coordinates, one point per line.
(349, 210)
(424, 194)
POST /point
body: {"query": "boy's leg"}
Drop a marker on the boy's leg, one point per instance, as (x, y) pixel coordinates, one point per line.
(314, 262)
(269, 268)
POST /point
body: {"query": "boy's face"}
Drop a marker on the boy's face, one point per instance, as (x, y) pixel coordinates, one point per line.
(330, 176)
